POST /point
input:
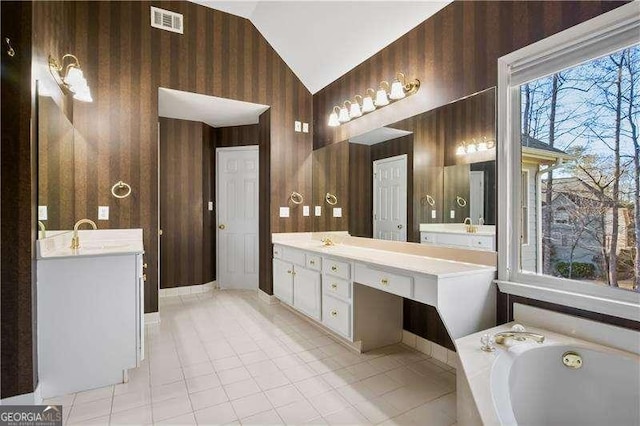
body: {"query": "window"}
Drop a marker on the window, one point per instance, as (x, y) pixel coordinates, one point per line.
(568, 111)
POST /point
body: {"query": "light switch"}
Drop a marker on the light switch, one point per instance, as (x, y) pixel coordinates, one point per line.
(305, 127)
(452, 214)
(210, 206)
(42, 213)
(337, 212)
(297, 126)
(433, 214)
(103, 213)
(318, 211)
(284, 211)
(305, 210)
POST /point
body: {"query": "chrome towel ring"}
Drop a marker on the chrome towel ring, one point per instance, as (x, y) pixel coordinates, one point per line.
(461, 201)
(331, 199)
(296, 198)
(120, 185)
(428, 199)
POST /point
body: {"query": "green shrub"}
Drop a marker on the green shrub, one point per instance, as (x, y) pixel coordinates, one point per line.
(578, 269)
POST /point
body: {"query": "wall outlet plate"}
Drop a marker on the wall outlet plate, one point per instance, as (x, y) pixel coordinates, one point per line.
(103, 213)
(297, 126)
(337, 212)
(210, 206)
(452, 214)
(305, 127)
(318, 211)
(433, 214)
(42, 213)
(284, 211)
(305, 210)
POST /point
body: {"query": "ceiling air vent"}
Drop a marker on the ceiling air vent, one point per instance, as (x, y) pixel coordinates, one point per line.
(166, 20)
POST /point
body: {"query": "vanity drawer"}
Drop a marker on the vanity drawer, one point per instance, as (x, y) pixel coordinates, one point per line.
(336, 315)
(294, 256)
(336, 268)
(313, 262)
(391, 283)
(428, 238)
(277, 252)
(336, 286)
(481, 242)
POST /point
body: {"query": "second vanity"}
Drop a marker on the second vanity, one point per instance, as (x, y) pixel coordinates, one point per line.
(90, 309)
(355, 287)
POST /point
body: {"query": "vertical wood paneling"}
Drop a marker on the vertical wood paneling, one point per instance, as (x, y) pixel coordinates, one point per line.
(331, 174)
(125, 61)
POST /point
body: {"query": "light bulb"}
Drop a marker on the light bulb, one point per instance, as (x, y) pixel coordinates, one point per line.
(471, 148)
(355, 111)
(367, 104)
(397, 91)
(343, 117)
(482, 146)
(333, 120)
(75, 78)
(460, 150)
(381, 98)
(83, 94)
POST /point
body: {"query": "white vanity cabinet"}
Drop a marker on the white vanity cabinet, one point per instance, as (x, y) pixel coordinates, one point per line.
(459, 240)
(294, 283)
(283, 281)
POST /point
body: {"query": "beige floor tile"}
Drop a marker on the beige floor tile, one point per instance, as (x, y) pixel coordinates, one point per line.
(97, 421)
(199, 369)
(262, 368)
(226, 363)
(346, 416)
(208, 398)
(266, 418)
(234, 375)
(273, 380)
(94, 395)
(183, 420)
(250, 405)
(297, 412)
(313, 386)
(356, 392)
(196, 384)
(131, 400)
(171, 408)
(381, 384)
(241, 389)
(283, 395)
(217, 415)
(328, 402)
(377, 410)
(90, 410)
(134, 416)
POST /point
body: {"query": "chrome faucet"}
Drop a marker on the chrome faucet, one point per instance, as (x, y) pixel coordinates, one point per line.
(43, 230)
(327, 241)
(481, 221)
(471, 228)
(75, 240)
(518, 335)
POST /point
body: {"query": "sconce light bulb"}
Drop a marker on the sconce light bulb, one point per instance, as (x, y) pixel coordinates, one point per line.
(75, 78)
(482, 146)
(381, 98)
(367, 104)
(397, 91)
(333, 120)
(355, 111)
(471, 148)
(343, 117)
(460, 150)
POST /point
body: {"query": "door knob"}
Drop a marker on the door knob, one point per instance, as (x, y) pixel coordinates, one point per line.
(221, 226)
(399, 226)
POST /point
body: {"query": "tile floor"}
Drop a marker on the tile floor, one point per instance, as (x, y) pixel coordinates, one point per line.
(224, 357)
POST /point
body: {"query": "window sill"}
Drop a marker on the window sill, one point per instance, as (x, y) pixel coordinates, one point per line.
(617, 308)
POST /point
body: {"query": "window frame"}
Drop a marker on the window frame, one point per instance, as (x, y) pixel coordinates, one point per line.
(609, 32)
(525, 204)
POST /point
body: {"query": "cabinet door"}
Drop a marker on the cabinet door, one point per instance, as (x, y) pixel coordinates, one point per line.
(283, 281)
(307, 287)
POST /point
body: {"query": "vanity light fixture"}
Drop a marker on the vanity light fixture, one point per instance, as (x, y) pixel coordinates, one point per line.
(70, 77)
(469, 148)
(373, 99)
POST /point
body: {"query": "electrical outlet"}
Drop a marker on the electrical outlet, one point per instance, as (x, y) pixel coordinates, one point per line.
(210, 205)
(305, 210)
(337, 212)
(103, 213)
(42, 213)
(284, 211)
(297, 126)
(433, 214)
(452, 214)
(305, 127)
(318, 211)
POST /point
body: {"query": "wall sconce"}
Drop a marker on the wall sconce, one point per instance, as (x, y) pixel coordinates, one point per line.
(373, 99)
(70, 77)
(472, 147)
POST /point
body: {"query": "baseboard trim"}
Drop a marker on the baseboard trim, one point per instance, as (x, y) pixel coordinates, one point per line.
(32, 398)
(269, 299)
(152, 318)
(430, 348)
(189, 289)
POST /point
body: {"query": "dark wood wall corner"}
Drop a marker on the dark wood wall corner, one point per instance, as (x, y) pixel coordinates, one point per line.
(18, 373)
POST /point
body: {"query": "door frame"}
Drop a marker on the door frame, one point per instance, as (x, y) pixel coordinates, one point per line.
(404, 157)
(217, 204)
(482, 195)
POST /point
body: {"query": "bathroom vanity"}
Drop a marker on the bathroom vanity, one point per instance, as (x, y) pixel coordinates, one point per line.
(355, 288)
(90, 309)
(456, 235)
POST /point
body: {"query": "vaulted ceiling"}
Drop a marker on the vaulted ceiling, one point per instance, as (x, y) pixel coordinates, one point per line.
(322, 40)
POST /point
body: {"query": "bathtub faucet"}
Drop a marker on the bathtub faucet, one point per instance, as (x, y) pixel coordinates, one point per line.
(517, 335)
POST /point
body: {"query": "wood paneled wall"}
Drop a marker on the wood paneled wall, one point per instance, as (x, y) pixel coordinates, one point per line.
(125, 61)
(454, 54)
(331, 174)
(18, 198)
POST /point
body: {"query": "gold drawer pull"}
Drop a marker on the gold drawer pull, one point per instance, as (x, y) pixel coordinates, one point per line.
(288, 272)
(384, 282)
(144, 277)
(275, 252)
(312, 262)
(293, 273)
(145, 266)
(334, 268)
(334, 286)
(334, 313)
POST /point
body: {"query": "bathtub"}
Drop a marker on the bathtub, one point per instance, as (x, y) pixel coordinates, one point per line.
(530, 385)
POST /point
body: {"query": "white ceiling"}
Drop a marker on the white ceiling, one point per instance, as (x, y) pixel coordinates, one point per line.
(379, 135)
(323, 40)
(216, 112)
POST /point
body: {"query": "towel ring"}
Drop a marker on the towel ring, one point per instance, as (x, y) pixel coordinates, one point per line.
(428, 199)
(121, 185)
(461, 201)
(296, 198)
(331, 199)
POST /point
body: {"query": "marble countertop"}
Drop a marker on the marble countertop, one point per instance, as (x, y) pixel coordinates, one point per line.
(93, 243)
(439, 268)
(457, 228)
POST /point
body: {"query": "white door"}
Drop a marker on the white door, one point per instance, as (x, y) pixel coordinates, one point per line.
(390, 198)
(307, 289)
(476, 196)
(237, 216)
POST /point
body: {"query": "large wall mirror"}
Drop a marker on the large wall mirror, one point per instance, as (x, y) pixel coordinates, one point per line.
(429, 178)
(56, 136)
